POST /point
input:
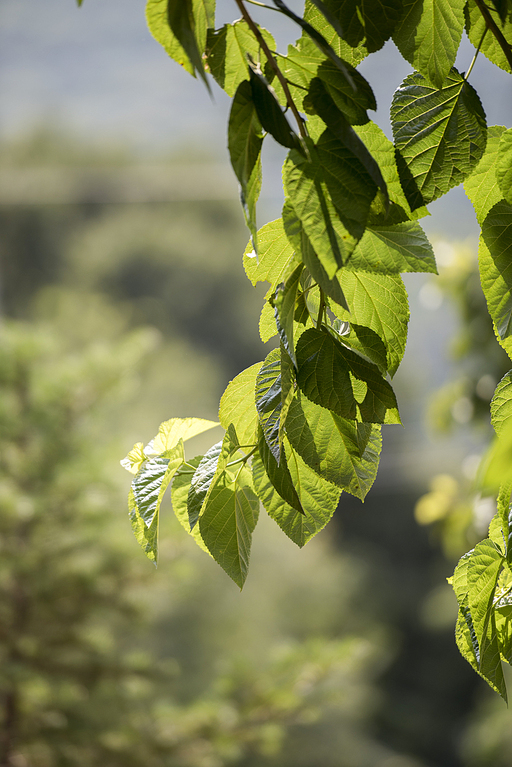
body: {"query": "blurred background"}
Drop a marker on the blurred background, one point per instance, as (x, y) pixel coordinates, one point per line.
(123, 303)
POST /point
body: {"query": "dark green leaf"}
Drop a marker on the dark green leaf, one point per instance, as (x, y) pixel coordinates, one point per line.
(331, 446)
(183, 20)
(227, 50)
(317, 19)
(428, 35)
(367, 342)
(270, 113)
(279, 474)
(440, 135)
(244, 143)
(328, 111)
(379, 404)
(323, 373)
(368, 21)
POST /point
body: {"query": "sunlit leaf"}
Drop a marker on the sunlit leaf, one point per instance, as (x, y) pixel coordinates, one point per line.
(200, 483)
(496, 269)
(227, 50)
(504, 165)
(481, 186)
(179, 497)
(237, 405)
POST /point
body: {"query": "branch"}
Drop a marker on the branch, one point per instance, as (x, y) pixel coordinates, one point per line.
(498, 34)
(273, 63)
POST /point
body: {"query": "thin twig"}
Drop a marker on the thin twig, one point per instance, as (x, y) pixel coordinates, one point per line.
(498, 34)
(476, 55)
(273, 63)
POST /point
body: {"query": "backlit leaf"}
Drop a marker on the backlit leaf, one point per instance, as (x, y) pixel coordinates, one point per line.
(269, 401)
(440, 135)
(237, 405)
(279, 474)
(394, 249)
(270, 113)
(200, 483)
(284, 303)
(504, 165)
(496, 269)
(481, 186)
(428, 35)
(179, 497)
(475, 27)
(227, 50)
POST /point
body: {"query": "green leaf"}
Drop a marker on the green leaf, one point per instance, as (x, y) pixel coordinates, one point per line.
(179, 497)
(465, 635)
(323, 373)
(366, 341)
(320, 499)
(440, 135)
(504, 165)
(379, 404)
(482, 576)
(237, 406)
(302, 245)
(316, 37)
(496, 269)
(428, 35)
(481, 186)
(134, 459)
(501, 405)
(275, 259)
(268, 394)
(227, 50)
(316, 18)
(475, 27)
(352, 95)
(244, 143)
(170, 432)
(383, 151)
(279, 474)
(328, 111)
(331, 446)
(284, 303)
(393, 250)
(148, 488)
(378, 302)
(200, 483)
(270, 113)
(371, 21)
(181, 27)
(230, 514)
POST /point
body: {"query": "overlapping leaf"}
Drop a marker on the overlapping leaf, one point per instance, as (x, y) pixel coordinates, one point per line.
(394, 249)
(496, 269)
(501, 404)
(440, 135)
(180, 26)
(368, 21)
(200, 483)
(481, 186)
(237, 405)
(284, 304)
(227, 50)
(428, 35)
(316, 18)
(319, 498)
(331, 446)
(268, 394)
(504, 165)
(230, 513)
(179, 497)
(279, 474)
(490, 47)
(275, 259)
(244, 143)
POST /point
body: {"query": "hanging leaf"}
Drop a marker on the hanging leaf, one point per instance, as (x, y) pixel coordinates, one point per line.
(440, 135)
(270, 113)
(495, 271)
(269, 401)
(227, 50)
(481, 186)
(320, 499)
(368, 21)
(504, 165)
(237, 406)
(279, 474)
(200, 483)
(284, 304)
(179, 497)
(428, 35)
(230, 514)
(331, 446)
(393, 250)
(244, 143)
(148, 488)
(490, 47)
(275, 259)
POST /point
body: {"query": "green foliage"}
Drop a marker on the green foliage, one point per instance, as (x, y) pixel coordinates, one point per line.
(309, 417)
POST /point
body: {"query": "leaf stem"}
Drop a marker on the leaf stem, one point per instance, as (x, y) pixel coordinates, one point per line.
(321, 310)
(244, 458)
(476, 55)
(498, 34)
(262, 5)
(273, 63)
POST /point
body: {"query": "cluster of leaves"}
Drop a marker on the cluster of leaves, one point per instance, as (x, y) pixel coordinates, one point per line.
(305, 424)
